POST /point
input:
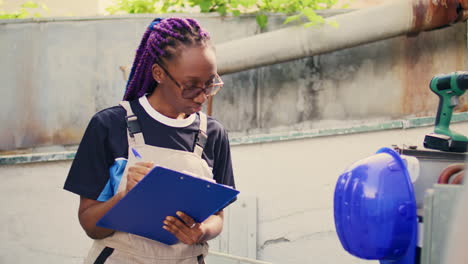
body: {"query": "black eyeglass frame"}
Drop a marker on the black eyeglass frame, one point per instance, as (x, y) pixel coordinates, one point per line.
(209, 90)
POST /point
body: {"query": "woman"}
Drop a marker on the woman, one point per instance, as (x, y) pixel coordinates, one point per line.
(173, 74)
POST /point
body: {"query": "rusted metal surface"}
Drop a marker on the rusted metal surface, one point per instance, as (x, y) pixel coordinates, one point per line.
(400, 17)
(464, 4)
(434, 14)
(423, 57)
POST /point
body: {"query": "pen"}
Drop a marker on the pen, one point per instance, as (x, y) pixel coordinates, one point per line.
(136, 154)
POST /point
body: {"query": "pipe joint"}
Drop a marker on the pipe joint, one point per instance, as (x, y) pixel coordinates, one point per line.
(434, 14)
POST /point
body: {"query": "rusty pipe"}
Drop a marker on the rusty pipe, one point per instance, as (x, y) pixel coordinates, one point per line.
(464, 4)
(434, 14)
(458, 178)
(450, 171)
(355, 28)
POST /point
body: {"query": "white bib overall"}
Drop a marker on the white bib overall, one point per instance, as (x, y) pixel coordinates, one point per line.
(125, 248)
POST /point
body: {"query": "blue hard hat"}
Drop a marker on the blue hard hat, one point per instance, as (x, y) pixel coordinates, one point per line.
(375, 207)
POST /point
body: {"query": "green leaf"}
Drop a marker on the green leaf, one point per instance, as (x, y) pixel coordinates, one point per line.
(234, 3)
(295, 9)
(165, 7)
(290, 19)
(205, 6)
(262, 20)
(111, 10)
(310, 14)
(43, 6)
(221, 10)
(247, 3)
(30, 4)
(4, 15)
(23, 13)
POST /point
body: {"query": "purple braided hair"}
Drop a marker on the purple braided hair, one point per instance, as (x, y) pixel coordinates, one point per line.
(158, 44)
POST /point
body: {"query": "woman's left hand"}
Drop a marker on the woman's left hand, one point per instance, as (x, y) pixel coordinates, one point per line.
(187, 230)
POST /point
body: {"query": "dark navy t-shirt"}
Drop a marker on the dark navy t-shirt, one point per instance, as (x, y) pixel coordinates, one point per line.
(102, 154)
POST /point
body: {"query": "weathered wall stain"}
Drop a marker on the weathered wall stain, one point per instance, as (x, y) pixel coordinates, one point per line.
(56, 75)
(424, 56)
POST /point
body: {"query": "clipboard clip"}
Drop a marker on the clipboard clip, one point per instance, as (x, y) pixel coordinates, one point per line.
(196, 176)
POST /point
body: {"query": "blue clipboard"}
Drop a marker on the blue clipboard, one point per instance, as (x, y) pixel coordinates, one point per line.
(161, 193)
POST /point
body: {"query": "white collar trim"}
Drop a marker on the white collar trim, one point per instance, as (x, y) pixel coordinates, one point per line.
(164, 119)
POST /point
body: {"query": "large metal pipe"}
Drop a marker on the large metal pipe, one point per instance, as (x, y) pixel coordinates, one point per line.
(355, 28)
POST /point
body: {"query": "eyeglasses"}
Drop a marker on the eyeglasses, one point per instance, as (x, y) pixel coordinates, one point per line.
(193, 91)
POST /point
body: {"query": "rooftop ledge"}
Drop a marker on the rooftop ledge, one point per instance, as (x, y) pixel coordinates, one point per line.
(262, 138)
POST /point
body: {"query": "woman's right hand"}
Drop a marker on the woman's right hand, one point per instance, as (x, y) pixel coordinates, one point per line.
(91, 211)
(136, 172)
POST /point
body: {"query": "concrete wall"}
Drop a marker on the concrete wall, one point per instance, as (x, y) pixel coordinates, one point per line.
(293, 180)
(57, 73)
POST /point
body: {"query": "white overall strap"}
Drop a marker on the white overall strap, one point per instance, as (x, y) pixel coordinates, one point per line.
(135, 135)
(202, 136)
